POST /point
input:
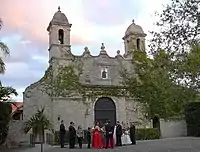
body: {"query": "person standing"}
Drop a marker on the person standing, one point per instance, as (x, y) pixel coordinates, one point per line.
(62, 134)
(109, 134)
(72, 135)
(80, 135)
(97, 137)
(132, 134)
(118, 134)
(126, 140)
(89, 137)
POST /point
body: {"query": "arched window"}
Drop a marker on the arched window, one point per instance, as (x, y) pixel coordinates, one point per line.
(104, 74)
(61, 36)
(138, 44)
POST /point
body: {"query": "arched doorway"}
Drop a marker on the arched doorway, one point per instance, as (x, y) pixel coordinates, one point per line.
(104, 110)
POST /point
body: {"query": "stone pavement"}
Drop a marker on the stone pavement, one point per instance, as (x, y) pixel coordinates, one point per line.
(186, 144)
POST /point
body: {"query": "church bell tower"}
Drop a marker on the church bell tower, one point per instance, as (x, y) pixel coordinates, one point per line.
(134, 39)
(59, 35)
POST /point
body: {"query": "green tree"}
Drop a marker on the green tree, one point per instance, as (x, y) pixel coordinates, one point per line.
(4, 51)
(178, 26)
(153, 85)
(5, 112)
(187, 70)
(170, 78)
(38, 123)
(6, 94)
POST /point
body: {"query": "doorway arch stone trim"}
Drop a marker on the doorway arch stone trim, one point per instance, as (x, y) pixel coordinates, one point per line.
(112, 99)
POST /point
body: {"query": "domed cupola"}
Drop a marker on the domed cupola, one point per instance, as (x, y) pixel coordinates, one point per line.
(134, 39)
(59, 18)
(134, 29)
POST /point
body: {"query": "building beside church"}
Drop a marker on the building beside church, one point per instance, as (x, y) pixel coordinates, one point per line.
(95, 97)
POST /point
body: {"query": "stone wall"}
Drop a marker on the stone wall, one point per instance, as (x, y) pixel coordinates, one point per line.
(173, 128)
(34, 98)
(15, 133)
(69, 109)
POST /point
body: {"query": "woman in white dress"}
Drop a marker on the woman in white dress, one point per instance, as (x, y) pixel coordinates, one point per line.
(114, 134)
(126, 140)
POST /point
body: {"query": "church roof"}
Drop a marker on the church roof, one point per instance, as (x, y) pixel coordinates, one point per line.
(134, 28)
(59, 18)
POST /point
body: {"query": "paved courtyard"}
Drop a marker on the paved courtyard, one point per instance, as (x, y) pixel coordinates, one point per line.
(189, 144)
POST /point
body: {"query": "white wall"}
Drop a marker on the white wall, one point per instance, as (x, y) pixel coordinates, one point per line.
(173, 128)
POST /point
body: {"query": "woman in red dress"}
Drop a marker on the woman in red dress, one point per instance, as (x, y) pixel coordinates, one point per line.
(97, 137)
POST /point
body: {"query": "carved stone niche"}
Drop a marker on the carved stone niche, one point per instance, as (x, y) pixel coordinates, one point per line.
(87, 78)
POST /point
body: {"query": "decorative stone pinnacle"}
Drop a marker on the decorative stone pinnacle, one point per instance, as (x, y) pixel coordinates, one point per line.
(86, 49)
(102, 46)
(133, 21)
(58, 8)
(118, 52)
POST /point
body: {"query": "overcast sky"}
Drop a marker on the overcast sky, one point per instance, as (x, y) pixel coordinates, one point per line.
(93, 22)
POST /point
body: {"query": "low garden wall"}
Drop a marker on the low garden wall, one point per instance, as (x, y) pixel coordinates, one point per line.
(173, 128)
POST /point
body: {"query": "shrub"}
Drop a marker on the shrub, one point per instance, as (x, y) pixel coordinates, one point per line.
(147, 133)
(141, 134)
(192, 113)
(5, 112)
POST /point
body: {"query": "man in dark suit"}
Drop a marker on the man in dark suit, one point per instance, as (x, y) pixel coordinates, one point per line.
(132, 134)
(109, 134)
(62, 134)
(118, 134)
(72, 135)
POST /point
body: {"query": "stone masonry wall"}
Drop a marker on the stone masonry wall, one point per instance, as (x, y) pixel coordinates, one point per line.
(35, 99)
(15, 133)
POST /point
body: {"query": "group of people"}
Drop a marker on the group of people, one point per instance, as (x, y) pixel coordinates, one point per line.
(106, 136)
(109, 136)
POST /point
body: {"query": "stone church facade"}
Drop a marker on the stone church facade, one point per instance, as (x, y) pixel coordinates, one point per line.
(98, 76)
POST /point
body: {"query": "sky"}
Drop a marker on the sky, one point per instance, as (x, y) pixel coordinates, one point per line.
(93, 22)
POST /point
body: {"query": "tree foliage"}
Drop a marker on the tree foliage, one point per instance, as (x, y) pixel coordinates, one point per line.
(187, 68)
(179, 26)
(4, 50)
(169, 79)
(39, 122)
(5, 112)
(6, 93)
(154, 87)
